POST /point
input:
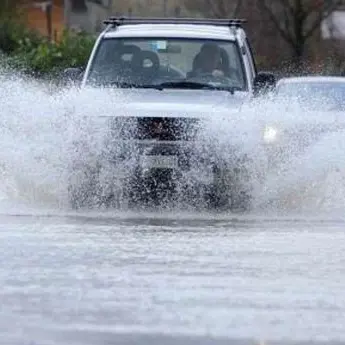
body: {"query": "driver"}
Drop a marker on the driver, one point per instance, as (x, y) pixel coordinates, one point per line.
(207, 60)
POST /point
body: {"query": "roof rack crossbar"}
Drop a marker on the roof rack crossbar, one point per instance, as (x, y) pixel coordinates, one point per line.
(117, 21)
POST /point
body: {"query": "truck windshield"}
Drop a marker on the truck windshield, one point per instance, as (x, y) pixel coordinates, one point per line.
(181, 62)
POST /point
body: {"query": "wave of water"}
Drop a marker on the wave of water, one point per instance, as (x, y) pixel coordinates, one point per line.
(39, 126)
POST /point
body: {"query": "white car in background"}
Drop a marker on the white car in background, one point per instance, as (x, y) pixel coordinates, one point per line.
(155, 133)
(310, 107)
(313, 92)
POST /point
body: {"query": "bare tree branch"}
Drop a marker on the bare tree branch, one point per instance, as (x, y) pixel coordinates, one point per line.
(287, 5)
(276, 19)
(322, 15)
(237, 8)
(297, 20)
(214, 8)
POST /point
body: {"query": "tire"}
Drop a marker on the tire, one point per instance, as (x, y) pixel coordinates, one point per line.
(231, 190)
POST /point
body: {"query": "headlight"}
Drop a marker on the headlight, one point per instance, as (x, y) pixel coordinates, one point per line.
(270, 134)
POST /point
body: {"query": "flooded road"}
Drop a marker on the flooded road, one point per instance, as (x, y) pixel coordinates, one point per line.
(171, 279)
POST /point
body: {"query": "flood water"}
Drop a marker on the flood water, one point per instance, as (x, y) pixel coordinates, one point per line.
(140, 279)
(273, 276)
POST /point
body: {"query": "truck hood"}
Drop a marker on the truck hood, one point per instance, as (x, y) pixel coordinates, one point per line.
(177, 103)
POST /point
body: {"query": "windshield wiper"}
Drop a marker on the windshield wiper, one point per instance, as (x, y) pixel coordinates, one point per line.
(181, 84)
(126, 85)
(184, 84)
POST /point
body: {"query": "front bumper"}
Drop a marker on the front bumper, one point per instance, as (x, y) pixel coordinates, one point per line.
(197, 161)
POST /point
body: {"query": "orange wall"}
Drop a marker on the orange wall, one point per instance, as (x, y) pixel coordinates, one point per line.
(36, 19)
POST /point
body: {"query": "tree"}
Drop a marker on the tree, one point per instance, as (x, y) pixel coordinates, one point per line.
(80, 5)
(11, 23)
(8, 8)
(298, 20)
(214, 8)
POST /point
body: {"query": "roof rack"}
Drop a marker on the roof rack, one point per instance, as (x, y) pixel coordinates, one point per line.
(117, 21)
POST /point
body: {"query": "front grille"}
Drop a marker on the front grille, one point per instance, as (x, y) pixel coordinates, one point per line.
(153, 128)
(169, 129)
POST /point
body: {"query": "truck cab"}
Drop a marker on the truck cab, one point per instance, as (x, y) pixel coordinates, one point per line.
(170, 53)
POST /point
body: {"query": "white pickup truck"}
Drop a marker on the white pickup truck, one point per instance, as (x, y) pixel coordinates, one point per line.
(175, 73)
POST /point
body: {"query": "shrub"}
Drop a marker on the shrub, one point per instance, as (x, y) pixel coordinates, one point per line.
(12, 33)
(28, 52)
(49, 58)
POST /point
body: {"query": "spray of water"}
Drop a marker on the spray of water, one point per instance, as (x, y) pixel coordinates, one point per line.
(39, 129)
(45, 132)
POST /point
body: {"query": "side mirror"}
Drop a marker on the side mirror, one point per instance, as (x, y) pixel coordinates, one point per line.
(72, 75)
(264, 82)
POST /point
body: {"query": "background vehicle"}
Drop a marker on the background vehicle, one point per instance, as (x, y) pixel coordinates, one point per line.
(162, 129)
(313, 92)
(309, 109)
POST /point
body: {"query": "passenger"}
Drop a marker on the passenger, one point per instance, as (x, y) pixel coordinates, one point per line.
(208, 61)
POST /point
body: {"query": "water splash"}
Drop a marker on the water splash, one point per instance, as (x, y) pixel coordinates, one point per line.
(40, 127)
